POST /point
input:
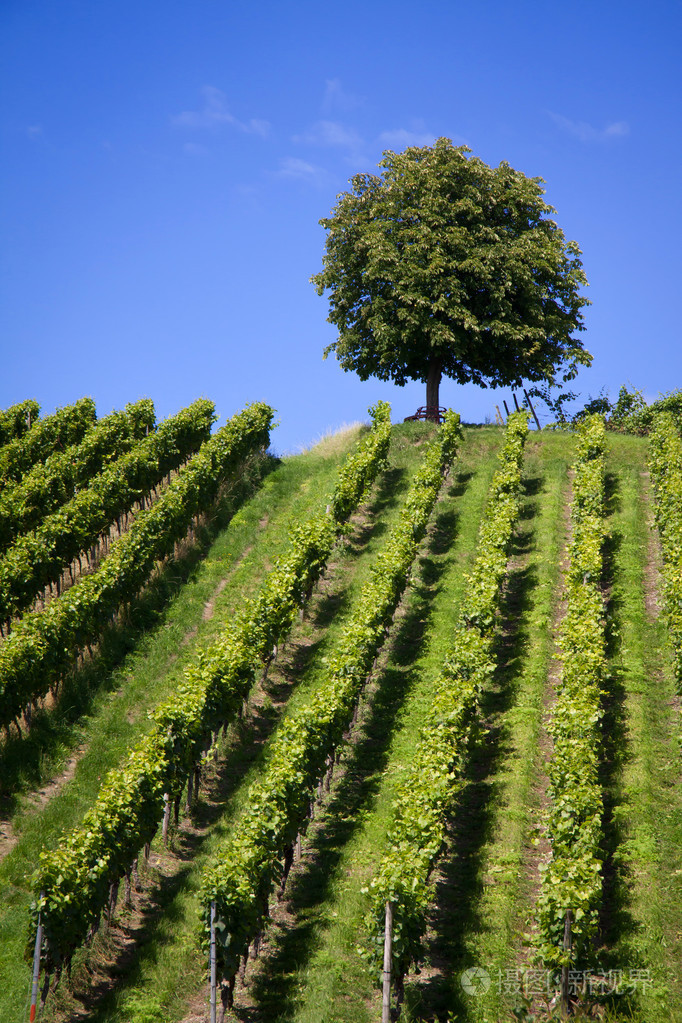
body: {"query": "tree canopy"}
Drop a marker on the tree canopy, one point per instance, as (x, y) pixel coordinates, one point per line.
(444, 265)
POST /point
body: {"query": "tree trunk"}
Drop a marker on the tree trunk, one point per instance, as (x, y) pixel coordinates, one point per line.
(433, 383)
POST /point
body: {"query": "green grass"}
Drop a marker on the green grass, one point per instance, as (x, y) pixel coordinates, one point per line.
(167, 944)
(640, 923)
(489, 873)
(32, 760)
(643, 918)
(314, 972)
(311, 970)
(107, 709)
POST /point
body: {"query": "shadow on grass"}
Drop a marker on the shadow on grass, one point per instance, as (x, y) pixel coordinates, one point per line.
(119, 954)
(273, 989)
(121, 951)
(459, 886)
(616, 924)
(370, 527)
(26, 759)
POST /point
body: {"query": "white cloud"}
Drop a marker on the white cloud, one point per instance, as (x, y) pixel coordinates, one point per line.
(194, 149)
(330, 134)
(301, 170)
(336, 97)
(216, 113)
(400, 138)
(618, 128)
(258, 127)
(586, 132)
(34, 130)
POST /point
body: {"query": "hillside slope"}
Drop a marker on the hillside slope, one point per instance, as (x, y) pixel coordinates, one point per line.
(149, 966)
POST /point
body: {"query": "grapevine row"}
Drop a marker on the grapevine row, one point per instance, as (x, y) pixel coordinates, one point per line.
(236, 890)
(214, 688)
(77, 880)
(54, 482)
(665, 461)
(38, 558)
(422, 803)
(67, 426)
(571, 887)
(44, 644)
(16, 420)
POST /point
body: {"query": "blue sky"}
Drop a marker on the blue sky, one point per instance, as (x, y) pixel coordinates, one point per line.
(165, 166)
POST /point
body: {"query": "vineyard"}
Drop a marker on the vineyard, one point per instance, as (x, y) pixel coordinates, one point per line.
(390, 729)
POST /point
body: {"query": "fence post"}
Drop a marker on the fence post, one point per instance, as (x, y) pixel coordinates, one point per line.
(213, 965)
(388, 944)
(36, 964)
(564, 969)
(530, 406)
(166, 817)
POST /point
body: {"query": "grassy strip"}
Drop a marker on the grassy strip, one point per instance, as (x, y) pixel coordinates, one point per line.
(423, 806)
(488, 877)
(287, 495)
(76, 881)
(314, 971)
(571, 890)
(45, 644)
(643, 928)
(641, 920)
(117, 714)
(167, 948)
(257, 858)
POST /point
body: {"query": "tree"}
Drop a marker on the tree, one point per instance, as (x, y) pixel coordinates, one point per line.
(443, 265)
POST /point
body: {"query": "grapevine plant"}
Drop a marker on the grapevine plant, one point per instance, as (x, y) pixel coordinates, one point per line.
(261, 845)
(16, 420)
(44, 644)
(67, 426)
(572, 881)
(54, 482)
(216, 685)
(39, 557)
(665, 461)
(74, 882)
(418, 831)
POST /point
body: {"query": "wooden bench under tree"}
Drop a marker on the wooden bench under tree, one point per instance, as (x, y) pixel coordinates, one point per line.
(433, 412)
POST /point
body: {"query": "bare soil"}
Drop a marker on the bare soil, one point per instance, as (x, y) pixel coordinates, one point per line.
(38, 799)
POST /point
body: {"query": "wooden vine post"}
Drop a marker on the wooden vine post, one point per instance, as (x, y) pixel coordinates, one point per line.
(388, 947)
(530, 406)
(36, 965)
(166, 817)
(213, 965)
(564, 969)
